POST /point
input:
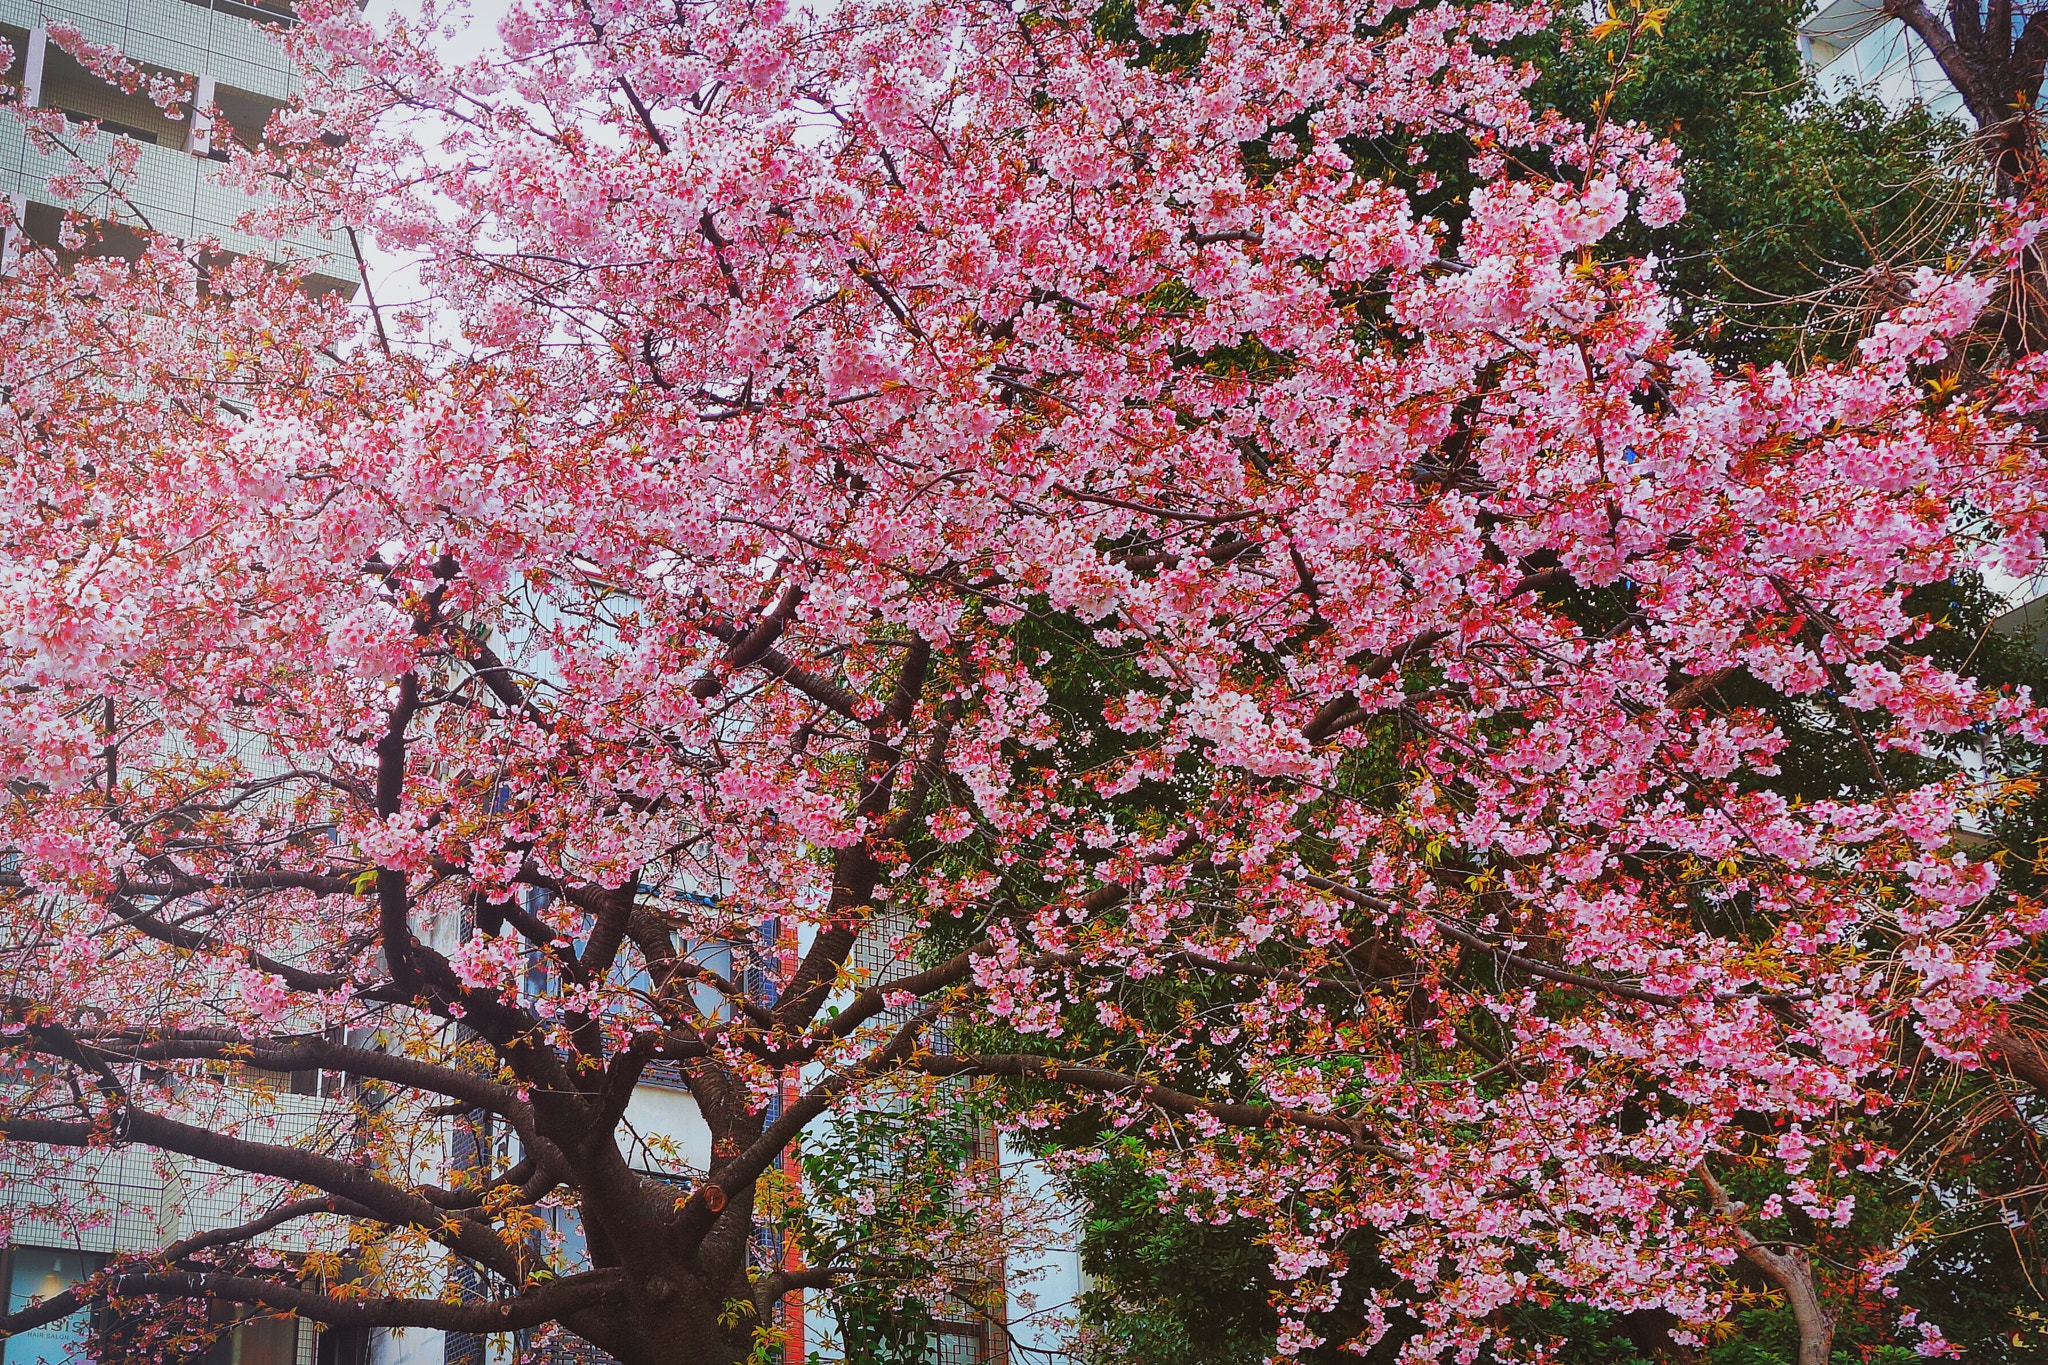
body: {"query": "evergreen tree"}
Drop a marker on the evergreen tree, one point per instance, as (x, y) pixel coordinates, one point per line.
(1803, 204)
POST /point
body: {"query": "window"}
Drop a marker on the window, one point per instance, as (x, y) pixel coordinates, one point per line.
(573, 1253)
(717, 957)
(83, 97)
(343, 1346)
(17, 40)
(34, 1274)
(242, 118)
(960, 1343)
(265, 1341)
(262, 12)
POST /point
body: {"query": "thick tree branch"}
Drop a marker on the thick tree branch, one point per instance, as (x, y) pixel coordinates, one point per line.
(854, 871)
(1791, 1270)
(543, 1303)
(191, 940)
(2024, 1057)
(384, 1201)
(1954, 62)
(699, 1214)
(610, 908)
(780, 666)
(60, 1306)
(313, 1053)
(748, 648)
(497, 677)
(1323, 724)
(393, 903)
(707, 227)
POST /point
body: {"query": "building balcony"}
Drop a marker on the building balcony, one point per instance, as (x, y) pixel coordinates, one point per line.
(173, 192)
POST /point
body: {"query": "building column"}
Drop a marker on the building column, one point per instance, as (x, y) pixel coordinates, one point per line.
(11, 235)
(200, 142)
(170, 1203)
(32, 76)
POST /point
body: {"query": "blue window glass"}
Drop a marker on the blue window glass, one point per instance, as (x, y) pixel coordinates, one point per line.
(35, 1274)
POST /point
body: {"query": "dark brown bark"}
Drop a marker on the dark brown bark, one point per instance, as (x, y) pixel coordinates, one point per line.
(2023, 1057)
(1997, 72)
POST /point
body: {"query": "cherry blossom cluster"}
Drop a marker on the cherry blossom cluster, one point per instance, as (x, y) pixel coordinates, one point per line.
(1054, 493)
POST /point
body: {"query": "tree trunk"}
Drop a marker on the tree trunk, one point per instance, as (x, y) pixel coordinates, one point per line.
(679, 1320)
(2024, 1058)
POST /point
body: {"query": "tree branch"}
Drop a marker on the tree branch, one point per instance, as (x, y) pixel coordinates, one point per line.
(191, 940)
(1099, 1079)
(386, 1202)
(1954, 62)
(854, 871)
(2024, 1057)
(1509, 957)
(1791, 1270)
(546, 1302)
(306, 1054)
(780, 666)
(748, 648)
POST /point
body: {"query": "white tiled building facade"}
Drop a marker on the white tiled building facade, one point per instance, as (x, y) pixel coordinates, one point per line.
(220, 52)
(129, 1198)
(222, 56)
(1852, 44)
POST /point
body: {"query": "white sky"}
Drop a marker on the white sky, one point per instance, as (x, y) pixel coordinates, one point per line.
(468, 27)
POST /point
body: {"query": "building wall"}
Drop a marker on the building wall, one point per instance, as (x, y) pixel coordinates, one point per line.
(226, 59)
(1045, 1280)
(1853, 46)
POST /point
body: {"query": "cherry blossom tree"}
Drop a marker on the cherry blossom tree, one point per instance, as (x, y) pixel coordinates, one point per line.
(1001, 485)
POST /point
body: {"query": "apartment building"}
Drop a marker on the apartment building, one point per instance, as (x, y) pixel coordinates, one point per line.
(68, 1217)
(223, 57)
(222, 54)
(1854, 45)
